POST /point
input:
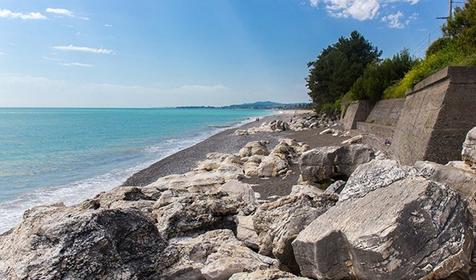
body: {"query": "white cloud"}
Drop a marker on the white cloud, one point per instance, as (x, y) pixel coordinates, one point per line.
(4, 13)
(64, 13)
(398, 20)
(394, 20)
(77, 64)
(2, 53)
(107, 25)
(314, 3)
(357, 9)
(72, 48)
(59, 11)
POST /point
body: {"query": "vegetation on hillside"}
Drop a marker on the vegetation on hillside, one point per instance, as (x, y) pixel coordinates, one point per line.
(351, 69)
(378, 76)
(456, 48)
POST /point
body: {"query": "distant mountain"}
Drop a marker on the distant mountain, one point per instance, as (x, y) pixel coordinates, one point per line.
(267, 105)
(262, 105)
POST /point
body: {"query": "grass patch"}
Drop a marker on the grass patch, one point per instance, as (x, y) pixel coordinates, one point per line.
(450, 55)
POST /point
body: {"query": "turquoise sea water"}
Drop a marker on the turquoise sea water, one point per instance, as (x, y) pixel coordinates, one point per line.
(52, 155)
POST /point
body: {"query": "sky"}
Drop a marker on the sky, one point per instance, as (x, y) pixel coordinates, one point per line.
(160, 53)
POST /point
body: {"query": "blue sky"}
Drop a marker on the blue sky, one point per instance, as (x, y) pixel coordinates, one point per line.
(118, 53)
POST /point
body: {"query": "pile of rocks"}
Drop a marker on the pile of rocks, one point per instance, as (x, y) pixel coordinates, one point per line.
(377, 220)
(272, 126)
(296, 123)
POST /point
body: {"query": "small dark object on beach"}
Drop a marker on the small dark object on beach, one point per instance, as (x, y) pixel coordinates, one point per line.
(387, 142)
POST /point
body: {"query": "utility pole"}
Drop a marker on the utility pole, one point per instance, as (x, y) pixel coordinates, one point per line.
(450, 7)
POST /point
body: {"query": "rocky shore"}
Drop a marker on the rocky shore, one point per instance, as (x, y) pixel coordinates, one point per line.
(286, 197)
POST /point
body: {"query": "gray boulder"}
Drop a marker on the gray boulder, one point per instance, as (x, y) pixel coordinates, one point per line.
(193, 213)
(254, 148)
(318, 164)
(266, 274)
(279, 222)
(469, 149)
(58, 242)
(412, 229)
(272, 166)
(325, 163)
(241, 192)
(213, 255)
(460, 180)
(348, 158)
(374, 175)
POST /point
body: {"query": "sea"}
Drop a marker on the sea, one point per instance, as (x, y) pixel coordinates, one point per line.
(50, 155)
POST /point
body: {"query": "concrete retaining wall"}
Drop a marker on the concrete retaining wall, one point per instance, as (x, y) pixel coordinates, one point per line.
(358, 111)
(383, 132)
(386, 112)
(436, 116)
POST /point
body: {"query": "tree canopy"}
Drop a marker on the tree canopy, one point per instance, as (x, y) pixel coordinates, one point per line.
(335, 70)
(378, 76)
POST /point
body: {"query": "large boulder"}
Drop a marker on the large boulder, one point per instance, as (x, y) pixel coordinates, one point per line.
(460, 180)
(272, 166)
(279, 222)
(318, 164)
(266, 274)
(469, 149)
(241, 192)
(325, 163)
(374, 175)
(254, 148)
(58, 242)
(213, 255)
(250, 167)
(289, 148)
(412, 229)
(190, 213)
(350, 157)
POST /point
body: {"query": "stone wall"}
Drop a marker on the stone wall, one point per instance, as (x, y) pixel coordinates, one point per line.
(358, 111)
(436, 116)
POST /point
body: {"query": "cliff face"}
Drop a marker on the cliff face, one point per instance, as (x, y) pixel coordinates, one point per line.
(376, 220)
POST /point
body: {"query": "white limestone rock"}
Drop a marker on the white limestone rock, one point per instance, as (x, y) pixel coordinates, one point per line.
(214, 255)
(469, 149)
(279, 222)
(412, 229)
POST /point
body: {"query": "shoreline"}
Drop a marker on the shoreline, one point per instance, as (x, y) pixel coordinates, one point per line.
(227, 142)
(184, 160)
(76, 192)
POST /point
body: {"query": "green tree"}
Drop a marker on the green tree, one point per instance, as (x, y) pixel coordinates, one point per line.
(462, 26)
(335, 70)
(378, 76)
